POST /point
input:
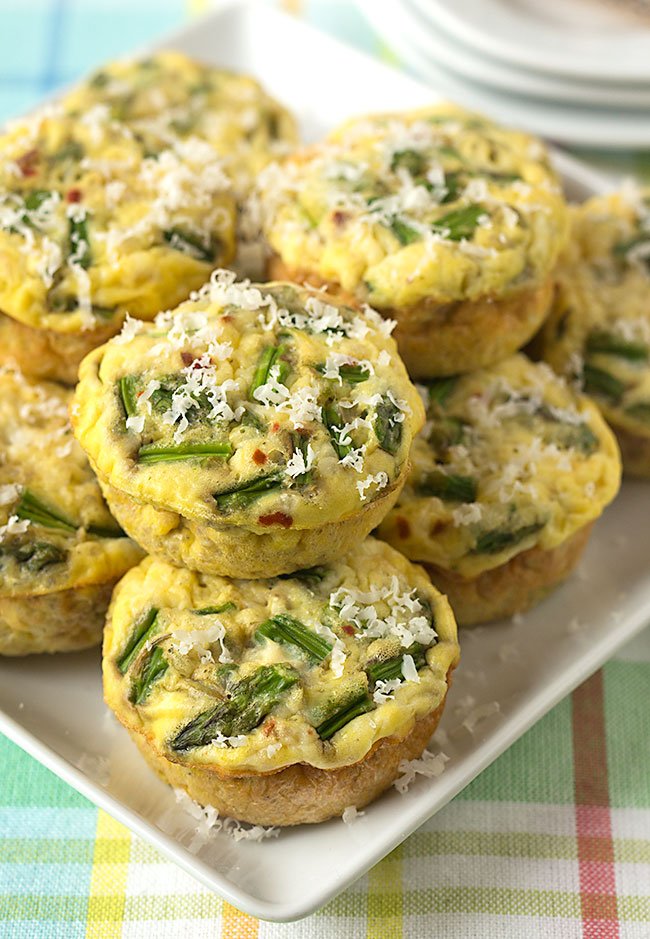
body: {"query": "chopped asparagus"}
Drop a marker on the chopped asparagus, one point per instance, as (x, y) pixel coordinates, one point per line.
(334, 422)
(210, 610)
(449, 488)
(404, 233)
(189, 244)
(290, 631)
(640, 410)
(446, 432)
(388, 669)
(32, 509)
(339, 719)
(308, 575)
(609, 344)
(459, 224)
(38, 555)
(491, 542)
(387, 428)
(152, 453)
(143, 629)
(412, 161)
(440, 389)
(80, 252)
(250, 701)
(153, 668)
(241, 496)
(574, 436)
(598, 381)
(270, 356)
(126, 386)
(353, 374)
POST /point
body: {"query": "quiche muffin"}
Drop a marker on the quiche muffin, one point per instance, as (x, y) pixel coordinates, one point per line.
(252, 431)
(281, 701)
(438, 218)
(598, 333)
(509, 474)
(91, 226)
(168, 96)
(61, 552)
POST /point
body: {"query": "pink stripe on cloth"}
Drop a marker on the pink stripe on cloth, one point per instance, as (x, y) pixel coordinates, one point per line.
(593, 816)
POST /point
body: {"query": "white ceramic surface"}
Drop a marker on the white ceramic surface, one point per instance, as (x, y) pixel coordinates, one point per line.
(588, 39)
(468, 62)
(52, 706)
(605, 128)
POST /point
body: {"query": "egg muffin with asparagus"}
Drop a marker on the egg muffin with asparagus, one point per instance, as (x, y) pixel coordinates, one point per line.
(61, 552)
(509, 474)
(598, 333)
(252, 431)
(169, 96)
(91, 227)
(438, 218)
(281, 701)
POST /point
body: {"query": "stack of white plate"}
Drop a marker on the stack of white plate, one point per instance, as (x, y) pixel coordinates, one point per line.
(576, 71)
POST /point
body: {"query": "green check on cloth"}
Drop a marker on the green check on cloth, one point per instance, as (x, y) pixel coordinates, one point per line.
(551, 841)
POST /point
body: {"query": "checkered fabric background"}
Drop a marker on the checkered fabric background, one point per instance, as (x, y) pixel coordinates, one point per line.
(551, 841)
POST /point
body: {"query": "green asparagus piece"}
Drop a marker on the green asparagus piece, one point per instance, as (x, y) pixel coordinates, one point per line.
(404, 233)
(72, 150)
(250, 701)
(390, 669)
(459, 224)
(153, 668)
(31, 508)
(334, 422)
(35, 199)
(339, 719)
(624, 247)
(152, 453)
(598, 381)
(609, 344)
(412, 161)
(210, 610)
(38, 555)
(640, 410)
(290, 631)
(575, 436)
(241, 496)
(126, 386)
(446, 432)
(353, 374)
(312, 575)
(452, 488)
(270, 356)
(491, 542)
(79, 242)
(143, 629)
(189, 244)
(387, 428)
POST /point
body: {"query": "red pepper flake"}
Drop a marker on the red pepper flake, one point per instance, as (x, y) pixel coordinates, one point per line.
(403, 527)
(268, 727)
(276, 518)
(74, 195)
(226, 318)
(27, 162)
(187, 358)
(348, 630)
(259, 457)
(275, 427)
(340, 218)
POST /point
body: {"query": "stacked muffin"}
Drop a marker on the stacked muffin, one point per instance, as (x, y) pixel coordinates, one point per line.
(452, 226)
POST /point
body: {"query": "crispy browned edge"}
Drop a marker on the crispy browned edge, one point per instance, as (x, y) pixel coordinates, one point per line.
(436, 339)
(512, 587)
(297, 794)
(230, 551)
(59, 621)
(45, 353)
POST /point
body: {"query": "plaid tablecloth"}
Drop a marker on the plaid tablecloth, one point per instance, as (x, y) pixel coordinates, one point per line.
(552, 840)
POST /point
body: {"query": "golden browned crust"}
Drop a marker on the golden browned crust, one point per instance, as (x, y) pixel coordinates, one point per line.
(298, 794)
(512, 587)
(435, 340)
(46, 354)
(635, 452)
(236, 552)
(61, 621)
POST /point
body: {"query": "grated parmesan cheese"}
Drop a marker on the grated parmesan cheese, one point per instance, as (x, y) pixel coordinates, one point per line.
(429, 765)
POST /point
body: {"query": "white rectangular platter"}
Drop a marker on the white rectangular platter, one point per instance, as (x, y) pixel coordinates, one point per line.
(511, 674)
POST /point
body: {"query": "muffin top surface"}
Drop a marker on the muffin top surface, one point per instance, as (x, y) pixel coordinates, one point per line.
(259, 407)
(55, 529)
(598, 333)
(314, 667)
(509, 458)
(168, 96)
(90, 226)
(435, 205)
